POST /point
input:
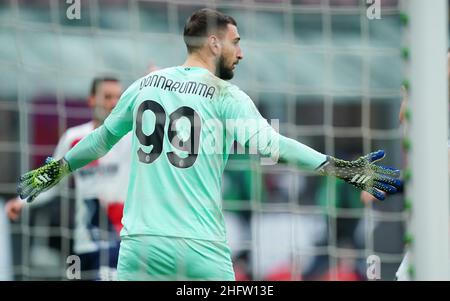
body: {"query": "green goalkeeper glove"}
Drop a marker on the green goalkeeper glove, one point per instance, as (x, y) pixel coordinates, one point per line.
(364, 174)
(41, 179)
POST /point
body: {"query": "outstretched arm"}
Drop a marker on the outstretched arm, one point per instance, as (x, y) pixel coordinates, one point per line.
(92, 147)
(361, 173)
(364, 174)
(15, 205)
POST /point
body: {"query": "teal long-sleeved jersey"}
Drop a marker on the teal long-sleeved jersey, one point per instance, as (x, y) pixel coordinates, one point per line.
(184, 121)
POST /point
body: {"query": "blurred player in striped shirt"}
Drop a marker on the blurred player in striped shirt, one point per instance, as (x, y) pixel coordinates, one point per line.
(100, 188)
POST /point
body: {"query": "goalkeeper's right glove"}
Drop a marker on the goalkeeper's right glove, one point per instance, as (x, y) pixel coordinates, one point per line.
(41, 179)
(364, 174)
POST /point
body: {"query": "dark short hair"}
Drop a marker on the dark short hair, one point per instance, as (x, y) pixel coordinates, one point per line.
(201, 24)
(98, 80)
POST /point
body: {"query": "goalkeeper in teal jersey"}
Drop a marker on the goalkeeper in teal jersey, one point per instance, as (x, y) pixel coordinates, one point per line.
(184, 121)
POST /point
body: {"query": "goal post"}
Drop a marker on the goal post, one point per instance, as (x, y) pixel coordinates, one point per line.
(428, 131)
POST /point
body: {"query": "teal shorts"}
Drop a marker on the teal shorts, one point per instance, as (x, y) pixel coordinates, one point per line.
(150, 257)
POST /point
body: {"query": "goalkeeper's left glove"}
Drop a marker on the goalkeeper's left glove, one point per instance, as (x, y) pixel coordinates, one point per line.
(41, 179)
(364, 174)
